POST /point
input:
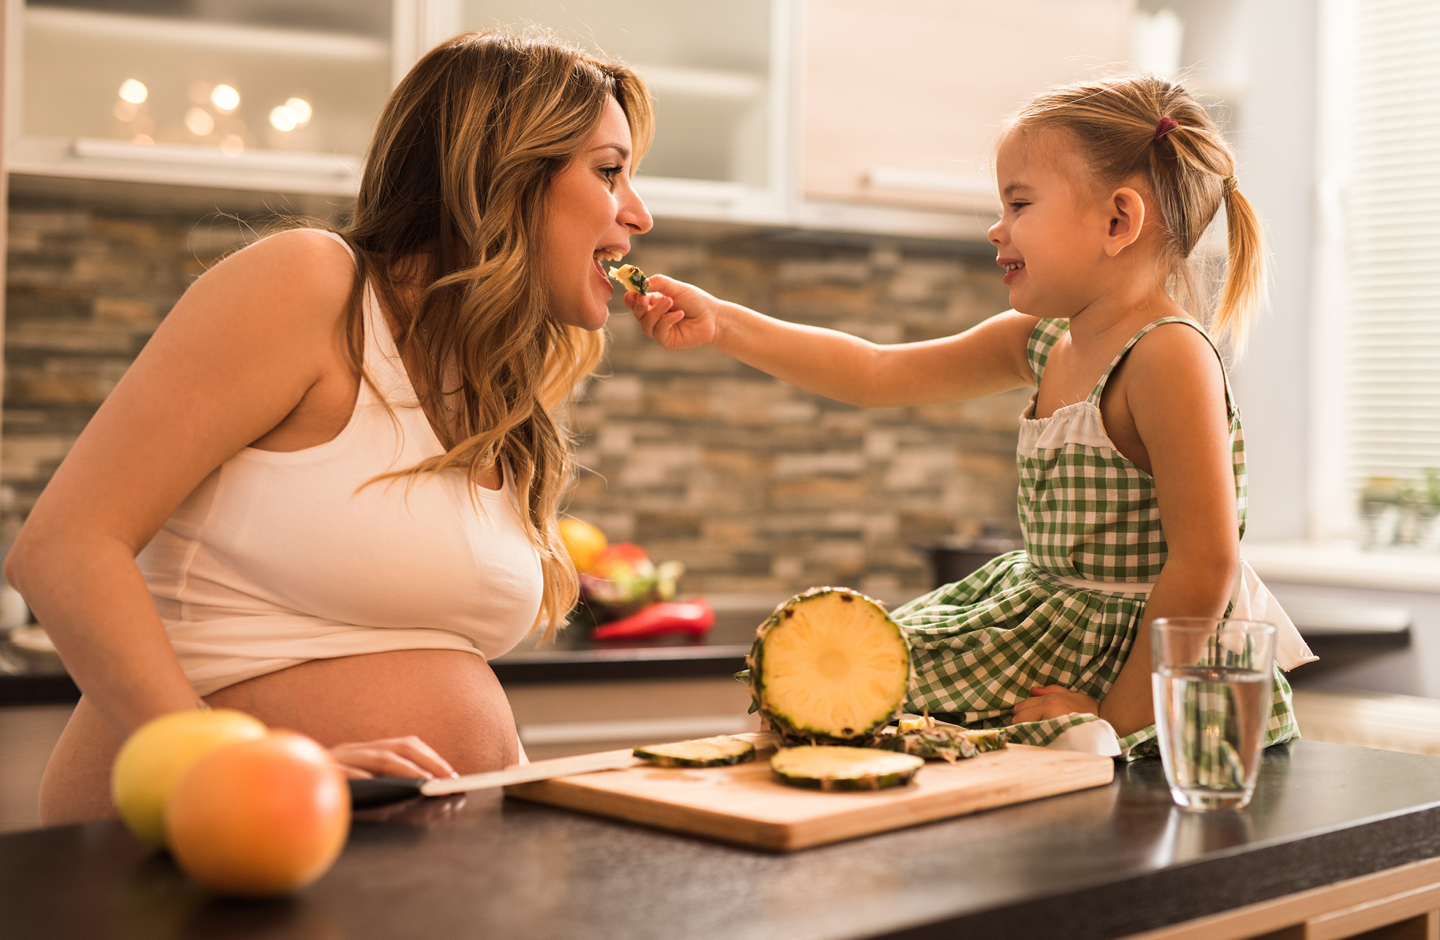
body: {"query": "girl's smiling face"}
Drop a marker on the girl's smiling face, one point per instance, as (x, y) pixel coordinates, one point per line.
(1050, 235)
(591, 211)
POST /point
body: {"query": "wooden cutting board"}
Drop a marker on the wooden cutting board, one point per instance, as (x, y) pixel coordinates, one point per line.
(744, 805)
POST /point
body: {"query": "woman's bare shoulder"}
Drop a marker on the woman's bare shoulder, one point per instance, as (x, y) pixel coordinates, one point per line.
(308, 265)
(268, 316)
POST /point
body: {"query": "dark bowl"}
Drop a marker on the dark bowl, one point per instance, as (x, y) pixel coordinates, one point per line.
(952, 559)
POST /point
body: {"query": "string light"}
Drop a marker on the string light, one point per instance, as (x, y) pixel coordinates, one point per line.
(283, 119)
(199, 121)
(302, 110)
(133, 91)
(225, 97)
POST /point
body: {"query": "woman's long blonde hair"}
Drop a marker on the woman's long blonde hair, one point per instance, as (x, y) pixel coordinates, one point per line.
(1188, 168)
(456, 182)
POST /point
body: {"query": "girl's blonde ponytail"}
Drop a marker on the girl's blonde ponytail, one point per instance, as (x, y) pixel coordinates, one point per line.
(1244, 270)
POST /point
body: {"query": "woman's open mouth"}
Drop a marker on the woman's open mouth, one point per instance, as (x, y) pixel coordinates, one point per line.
(606, 254)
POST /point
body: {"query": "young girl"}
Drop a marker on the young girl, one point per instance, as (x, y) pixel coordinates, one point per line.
(1131, 457)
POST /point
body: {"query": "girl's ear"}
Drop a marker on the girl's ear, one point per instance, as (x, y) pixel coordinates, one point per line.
(1127, 219)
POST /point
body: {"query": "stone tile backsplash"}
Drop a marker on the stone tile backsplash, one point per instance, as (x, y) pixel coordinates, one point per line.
(758, 487)
(762, 488)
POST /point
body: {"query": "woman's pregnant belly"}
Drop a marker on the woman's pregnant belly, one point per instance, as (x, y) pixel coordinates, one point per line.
(450, 699)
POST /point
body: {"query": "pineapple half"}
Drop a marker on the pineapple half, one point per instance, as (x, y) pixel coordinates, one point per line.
(829, 667)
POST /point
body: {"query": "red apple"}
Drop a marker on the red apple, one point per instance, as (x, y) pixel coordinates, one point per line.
(261, 817)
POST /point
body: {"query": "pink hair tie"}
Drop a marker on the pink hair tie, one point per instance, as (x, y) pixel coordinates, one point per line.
(1165, 126)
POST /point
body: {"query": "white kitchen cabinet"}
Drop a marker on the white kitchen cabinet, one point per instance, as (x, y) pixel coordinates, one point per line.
(901, 104)
(830, 114)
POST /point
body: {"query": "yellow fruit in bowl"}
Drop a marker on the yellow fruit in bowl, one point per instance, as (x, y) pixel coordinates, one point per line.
(159, 752)
(583, 541)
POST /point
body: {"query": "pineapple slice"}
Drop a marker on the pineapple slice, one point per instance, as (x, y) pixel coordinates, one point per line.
(829, 667)
(718, 751)
(631, 278)
(843, 768)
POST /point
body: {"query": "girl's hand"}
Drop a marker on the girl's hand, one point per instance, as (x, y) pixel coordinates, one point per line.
(675, 314)
(392, 757)
(1054, 701)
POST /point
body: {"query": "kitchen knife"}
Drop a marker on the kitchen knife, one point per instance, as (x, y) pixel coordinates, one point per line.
(378, 791)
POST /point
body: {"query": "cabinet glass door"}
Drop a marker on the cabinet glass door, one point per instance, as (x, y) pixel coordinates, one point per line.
(708, 66)
(203, 80)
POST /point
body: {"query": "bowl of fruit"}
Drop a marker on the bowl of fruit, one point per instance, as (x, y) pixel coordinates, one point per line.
(626, 595)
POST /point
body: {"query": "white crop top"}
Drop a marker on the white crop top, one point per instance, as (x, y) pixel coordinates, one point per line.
(280, 558)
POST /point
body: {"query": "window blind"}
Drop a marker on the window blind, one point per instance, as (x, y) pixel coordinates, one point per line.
(1392, 209)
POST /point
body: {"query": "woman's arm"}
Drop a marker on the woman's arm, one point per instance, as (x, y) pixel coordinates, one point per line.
(1175, 394)
(244, 355)
(984, 360)
(233, 358)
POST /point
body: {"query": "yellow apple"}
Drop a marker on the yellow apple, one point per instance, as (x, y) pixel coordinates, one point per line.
(583, 541)
(154, 757)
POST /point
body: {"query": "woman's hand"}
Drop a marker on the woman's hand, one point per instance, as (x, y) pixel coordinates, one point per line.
(391, 757)
(675, 314)
(1054, 701)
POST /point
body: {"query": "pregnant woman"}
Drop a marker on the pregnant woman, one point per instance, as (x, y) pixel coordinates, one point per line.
(325, 491)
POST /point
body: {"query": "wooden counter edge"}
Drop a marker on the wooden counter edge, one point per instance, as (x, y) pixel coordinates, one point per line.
(1335, 911)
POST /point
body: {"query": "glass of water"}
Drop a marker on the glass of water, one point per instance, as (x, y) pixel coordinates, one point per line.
(1212, 685)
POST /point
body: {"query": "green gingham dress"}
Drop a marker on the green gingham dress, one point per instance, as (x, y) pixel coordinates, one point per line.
(1038, 617)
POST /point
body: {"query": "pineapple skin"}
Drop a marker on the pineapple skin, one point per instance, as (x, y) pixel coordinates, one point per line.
(754, 676)
(950, 744)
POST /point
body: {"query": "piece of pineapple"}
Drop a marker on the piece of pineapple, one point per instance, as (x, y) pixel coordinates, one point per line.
(719, 751)
(943, 741)
(631, 278)
(829, 667)
(843, 768)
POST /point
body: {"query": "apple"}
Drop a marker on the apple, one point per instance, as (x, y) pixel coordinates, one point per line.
(159, 751)
(259, 818)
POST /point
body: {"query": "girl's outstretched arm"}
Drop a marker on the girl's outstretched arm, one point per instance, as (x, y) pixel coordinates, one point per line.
(1175, 395)
(986, 359)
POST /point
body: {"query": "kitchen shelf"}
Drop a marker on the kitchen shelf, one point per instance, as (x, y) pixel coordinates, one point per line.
(196, 34)
(703, 83)
(178, 165)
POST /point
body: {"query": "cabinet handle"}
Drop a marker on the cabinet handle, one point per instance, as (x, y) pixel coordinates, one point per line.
(899, 177)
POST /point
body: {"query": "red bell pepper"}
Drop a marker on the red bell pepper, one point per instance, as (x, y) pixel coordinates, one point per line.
(692, 617)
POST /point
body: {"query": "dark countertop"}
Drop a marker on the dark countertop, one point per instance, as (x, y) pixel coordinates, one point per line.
(37, 678)
(1100, 863)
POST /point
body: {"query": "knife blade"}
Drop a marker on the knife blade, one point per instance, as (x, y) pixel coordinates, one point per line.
(380, 791)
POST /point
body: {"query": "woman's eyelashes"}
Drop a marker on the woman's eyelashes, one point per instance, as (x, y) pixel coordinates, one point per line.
(610, 173)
